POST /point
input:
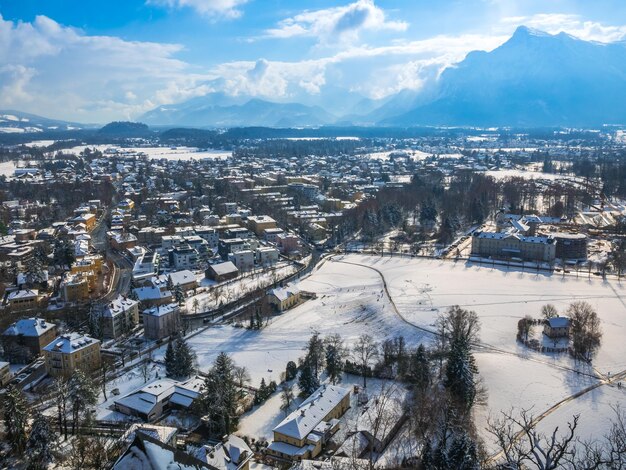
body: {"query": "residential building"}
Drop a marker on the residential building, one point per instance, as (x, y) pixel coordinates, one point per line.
(153, 400)
(221, 272)
(228, 246)
(184, 279)
(271, 234)
(244, 260)
(119, 317)
(161, 321)
(260, 223)
(26, 338)
(283, 298)
(71, 352)
(571, 246)
(557, 327)
(75, 287)
(231, 454)
(267, 256)
(305, 431)
(24, 299)
(183, 257)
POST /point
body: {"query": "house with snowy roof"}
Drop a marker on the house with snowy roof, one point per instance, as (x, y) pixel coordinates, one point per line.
(27, 337)
(119, 317)
(159, 396)
(231, 454)
(283, 298)
(305, 431)
(70, 352)
(557, 327)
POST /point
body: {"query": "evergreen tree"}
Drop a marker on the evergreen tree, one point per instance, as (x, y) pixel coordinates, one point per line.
(463, 454)
(315, 353)
(40, 443)
(333, 363)
(82, 395)
(420, 368)
(307, 381)
(171, 365)
(262, 393)
(16, 418)
(428, 462)
(219, 397)
(460, 370)
(291, 371)
(185, 359)
(179, 295)
(169, 284)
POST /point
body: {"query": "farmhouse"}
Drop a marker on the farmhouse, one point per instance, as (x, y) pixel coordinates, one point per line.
(557, 327)
(283, 298)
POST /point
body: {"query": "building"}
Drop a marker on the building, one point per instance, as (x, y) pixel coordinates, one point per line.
(75, 287)
(24, 299)
(260, 223)
(183, 257)
(161, 321)
(508, 245)
(571, 246)
(305, 431)
(221, 272)
(244, 260)
(148, 453)
(271, 234)
(165, 434)
(283, 298)
(153, 400)
(184, 279)
(122, 240)
(5, 373)
(71, 352)
(87, 219)
(231, 454)
(231, 245)
(557, 327)
(151, 296)
(26, 338)
(119, 317)
(267, 256)
(288, 243)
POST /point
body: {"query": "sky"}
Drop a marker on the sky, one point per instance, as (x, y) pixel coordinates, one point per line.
(101, 60)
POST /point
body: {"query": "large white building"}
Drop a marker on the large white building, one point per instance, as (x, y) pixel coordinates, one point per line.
(511, 245)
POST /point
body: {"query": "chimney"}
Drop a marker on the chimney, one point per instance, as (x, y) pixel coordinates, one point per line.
(301, 412)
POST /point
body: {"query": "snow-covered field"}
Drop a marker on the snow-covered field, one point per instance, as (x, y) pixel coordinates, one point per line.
(351, 301)
(177, 153)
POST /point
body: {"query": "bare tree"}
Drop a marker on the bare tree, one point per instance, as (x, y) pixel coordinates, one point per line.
(549, 311)
(364, 351)
(585, 329)
(241, 375)
(287, 395)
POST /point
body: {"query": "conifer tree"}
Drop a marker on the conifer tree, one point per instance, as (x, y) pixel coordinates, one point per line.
(40, 444)
(16, 418)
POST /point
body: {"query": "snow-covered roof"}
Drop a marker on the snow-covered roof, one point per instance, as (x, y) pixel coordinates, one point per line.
(283, 293)
(224, 268)
(29, 327)
(70, 343)
(559, 322)
(22, 294)
(288, 449)
(178, 278)
(312, 411)
(151, 293)
(119, 305)
(161, 310)
(228, 455)
(161, 433)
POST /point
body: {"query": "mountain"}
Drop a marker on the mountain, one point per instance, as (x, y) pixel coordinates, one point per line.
(218, 110)
(125, 129)
(17, 122)
(534, 79)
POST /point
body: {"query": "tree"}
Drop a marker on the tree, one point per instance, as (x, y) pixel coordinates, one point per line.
(40, 443)
(185, 359)
(307, 381)
(419, 371)
(34, 271)
(171, 365)
(460, 370)
(196, 305)
(82, 394)
(62, 392)
(458, 324)
(287, 396)
(585, 329)
(524, 328)
(291, 371)
(219, 394)
(364, 351)
(549, 311)
(315, 353)
(16, 416)
(241, 375)
(179, 295)
(334, 351)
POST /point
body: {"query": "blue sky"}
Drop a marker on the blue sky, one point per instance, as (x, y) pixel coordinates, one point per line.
(93, 60)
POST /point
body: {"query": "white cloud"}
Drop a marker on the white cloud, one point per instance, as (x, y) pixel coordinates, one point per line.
(554, 23)
(338, 22)
(209, 8)
(59, 71)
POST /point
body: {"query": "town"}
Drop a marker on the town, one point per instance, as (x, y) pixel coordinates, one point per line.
(258, 307)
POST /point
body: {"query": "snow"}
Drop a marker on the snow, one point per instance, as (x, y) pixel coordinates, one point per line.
(178, 153)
